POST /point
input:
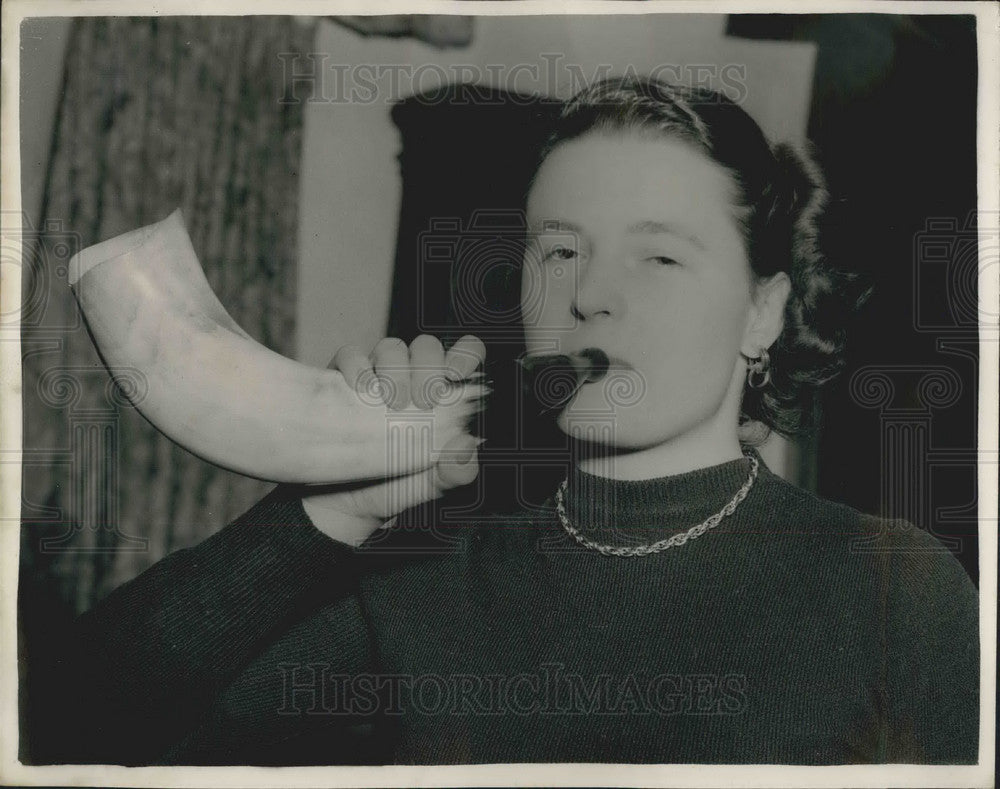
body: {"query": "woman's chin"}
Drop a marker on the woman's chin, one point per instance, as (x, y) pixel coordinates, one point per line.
(607, 430)
(612, 412)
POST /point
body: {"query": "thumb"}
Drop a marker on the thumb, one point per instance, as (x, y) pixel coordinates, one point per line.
(458, 463)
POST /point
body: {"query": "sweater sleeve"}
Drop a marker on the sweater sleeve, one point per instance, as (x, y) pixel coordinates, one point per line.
(137, 670)
(932, 654)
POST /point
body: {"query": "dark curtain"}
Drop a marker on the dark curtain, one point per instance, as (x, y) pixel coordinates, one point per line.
(155, 114)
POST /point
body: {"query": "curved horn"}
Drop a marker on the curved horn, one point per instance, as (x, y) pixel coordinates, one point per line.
(220, 394)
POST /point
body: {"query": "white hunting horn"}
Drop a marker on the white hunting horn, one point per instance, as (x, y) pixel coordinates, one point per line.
(220, 394)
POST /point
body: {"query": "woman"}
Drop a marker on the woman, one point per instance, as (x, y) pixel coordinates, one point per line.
(674, 602)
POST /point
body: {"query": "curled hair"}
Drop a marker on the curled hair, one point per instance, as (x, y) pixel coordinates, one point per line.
(780, 205)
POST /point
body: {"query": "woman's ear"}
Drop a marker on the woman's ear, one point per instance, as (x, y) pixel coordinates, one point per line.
(767, 313)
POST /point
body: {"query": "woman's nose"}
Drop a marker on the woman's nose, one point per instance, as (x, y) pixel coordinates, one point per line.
(597, 293)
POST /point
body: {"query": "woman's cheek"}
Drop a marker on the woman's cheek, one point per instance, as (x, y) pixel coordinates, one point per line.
(545, 306)
(691, 366)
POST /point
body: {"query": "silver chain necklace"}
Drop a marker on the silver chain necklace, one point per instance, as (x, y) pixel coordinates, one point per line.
(668, 542)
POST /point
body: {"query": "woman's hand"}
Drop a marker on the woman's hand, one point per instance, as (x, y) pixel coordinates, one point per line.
(401, 375)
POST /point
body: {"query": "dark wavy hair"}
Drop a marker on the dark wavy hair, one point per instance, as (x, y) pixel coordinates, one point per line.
(780, 204)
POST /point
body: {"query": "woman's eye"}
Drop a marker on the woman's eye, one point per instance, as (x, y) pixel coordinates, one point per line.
(560, 253)
(663, 260)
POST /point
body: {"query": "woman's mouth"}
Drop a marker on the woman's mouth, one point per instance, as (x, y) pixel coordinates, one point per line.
(588, 365)
(553, 379)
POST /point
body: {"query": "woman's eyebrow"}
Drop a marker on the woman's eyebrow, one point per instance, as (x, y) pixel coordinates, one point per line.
(553, 225)
(652, 226)
(643, 226)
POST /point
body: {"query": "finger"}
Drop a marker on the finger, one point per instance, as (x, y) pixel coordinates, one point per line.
(426, 371)
(391, 360)
(357, 370)
(464, 357)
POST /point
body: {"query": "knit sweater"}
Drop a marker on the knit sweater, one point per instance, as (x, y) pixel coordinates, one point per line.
(797, 631)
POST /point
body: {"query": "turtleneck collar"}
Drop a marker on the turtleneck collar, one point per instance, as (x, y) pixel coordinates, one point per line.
(631, 512)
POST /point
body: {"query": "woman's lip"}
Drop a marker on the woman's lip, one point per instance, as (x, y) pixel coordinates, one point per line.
(614, 362)
(581, 360)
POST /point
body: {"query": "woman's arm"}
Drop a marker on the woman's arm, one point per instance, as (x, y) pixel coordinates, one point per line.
(932, 654)
(138, 669)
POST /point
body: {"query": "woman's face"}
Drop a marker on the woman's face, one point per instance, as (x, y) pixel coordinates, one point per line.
(633, 248)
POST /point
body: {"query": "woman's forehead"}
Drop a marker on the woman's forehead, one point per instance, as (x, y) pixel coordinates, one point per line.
(629, 183)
